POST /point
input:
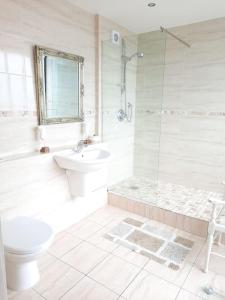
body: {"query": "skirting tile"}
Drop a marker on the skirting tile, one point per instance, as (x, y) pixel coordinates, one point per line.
(179, 221)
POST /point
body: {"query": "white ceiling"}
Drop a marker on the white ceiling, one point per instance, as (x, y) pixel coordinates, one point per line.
(136, 16)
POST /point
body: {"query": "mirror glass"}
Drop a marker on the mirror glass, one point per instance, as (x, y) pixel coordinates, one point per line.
(60, 86)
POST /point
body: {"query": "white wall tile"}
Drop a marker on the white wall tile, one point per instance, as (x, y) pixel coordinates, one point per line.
(15, 63)
(191, 149)
(36, 185)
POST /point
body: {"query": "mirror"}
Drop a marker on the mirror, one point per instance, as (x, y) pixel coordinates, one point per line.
(59, 78)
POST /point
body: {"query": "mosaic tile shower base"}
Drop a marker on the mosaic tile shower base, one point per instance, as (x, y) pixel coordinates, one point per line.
(177, 198)
(158, 244)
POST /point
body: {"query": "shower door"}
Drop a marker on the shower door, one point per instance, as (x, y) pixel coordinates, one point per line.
(134, 142)
(149, 98)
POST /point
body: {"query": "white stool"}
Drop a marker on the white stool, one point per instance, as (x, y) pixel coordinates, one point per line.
(216, 227)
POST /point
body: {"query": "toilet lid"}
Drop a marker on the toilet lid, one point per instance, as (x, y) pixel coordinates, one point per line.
(23, 235)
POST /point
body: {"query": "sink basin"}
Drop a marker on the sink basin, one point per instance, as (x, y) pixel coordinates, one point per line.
(89, 160)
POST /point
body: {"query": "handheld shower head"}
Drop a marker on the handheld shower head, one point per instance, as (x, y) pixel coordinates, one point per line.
(138, 54)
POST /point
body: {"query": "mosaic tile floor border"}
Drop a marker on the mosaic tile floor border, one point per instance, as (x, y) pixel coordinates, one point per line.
(177, 198)
(157, 243)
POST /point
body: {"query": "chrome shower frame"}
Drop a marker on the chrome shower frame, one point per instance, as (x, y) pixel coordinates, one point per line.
(175, 37)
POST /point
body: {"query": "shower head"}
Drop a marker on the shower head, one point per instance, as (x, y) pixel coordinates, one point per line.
(137, 54)
(140, 54)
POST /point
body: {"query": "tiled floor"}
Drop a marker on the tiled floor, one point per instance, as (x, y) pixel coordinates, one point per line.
(83, 265)
(177, 198)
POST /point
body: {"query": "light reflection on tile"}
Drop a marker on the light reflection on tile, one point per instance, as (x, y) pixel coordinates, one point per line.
(18, 93)
(2, 62)
(5, 103)
(84, 257)
(63, 243)
(15, 63)
(88, 289)
(147, 286)
(115, 273)
(25, 295)
(184, 295)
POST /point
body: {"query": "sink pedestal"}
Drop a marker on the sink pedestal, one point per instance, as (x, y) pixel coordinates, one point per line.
(81, 184)
(86, 170)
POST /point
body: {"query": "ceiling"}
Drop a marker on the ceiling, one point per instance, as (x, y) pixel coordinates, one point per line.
(136, 16)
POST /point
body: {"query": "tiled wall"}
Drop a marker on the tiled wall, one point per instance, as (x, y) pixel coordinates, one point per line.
(31, 186)
(190, 137)
(35, 185)
(118, 135)
(192, 148)
(193, 132)
(53, 24)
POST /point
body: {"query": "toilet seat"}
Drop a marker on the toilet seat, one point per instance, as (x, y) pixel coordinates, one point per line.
(24, 235)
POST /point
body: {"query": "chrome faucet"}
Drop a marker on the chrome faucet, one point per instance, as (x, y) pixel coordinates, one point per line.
(81, 145)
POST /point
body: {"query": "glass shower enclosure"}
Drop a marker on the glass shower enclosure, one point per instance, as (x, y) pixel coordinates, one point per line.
(132, 95)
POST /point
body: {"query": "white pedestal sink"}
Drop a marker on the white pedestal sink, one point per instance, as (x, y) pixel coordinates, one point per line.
(86, 171)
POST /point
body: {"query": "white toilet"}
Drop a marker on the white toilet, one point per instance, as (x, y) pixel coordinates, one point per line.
(25, 240)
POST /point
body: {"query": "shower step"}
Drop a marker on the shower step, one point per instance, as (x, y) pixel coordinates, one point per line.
(183, 222)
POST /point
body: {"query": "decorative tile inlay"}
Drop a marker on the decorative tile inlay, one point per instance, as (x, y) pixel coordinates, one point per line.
(181, 113)
(121, 230)
(173, 266)
(22, 113)
(176, 198)
(27, 113)
(154, 242)
(175, 253)
(144, 240)
(133, 222)
(163, 233)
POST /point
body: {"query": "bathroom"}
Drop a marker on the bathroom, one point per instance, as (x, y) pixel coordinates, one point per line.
(112, 196)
